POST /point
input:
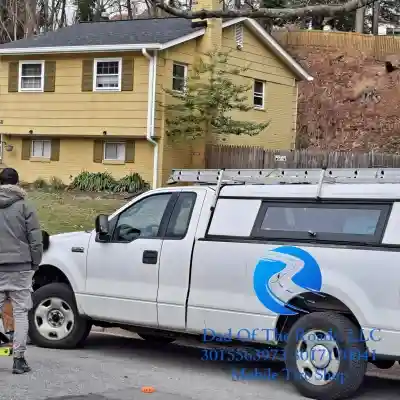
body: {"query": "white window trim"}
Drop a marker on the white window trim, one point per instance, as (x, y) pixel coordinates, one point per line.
(185, 73)
(44, 141)
(20, 88)
(97, 60)
(257, 94)
(113, 142)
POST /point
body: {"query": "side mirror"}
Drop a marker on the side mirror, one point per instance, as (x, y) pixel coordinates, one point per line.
(45, 240)
(102, 225)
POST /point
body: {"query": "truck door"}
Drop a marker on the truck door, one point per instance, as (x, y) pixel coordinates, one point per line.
(122, 274)
(176, 255)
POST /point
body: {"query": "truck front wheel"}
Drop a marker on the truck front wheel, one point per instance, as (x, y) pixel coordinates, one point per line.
(326, 356)
(54, 321)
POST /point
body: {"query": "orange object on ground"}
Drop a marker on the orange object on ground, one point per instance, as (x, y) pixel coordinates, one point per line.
(7, 315)
(148, 389)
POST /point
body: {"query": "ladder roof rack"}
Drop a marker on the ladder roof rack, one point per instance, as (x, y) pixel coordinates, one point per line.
(314, 176)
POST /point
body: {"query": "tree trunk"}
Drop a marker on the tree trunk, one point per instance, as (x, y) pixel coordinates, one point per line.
(360, 17)
(375, 17)
(129, 8)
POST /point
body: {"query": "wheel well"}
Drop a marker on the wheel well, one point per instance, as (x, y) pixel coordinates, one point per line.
(312, 302)
(48, 274)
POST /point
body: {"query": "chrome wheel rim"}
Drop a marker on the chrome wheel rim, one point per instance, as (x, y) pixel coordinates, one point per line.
(318, 357)
(54, 318)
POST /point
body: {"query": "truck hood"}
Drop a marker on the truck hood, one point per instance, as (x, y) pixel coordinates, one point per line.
(79, 239)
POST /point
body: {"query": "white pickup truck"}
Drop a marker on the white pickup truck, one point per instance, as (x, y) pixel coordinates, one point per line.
(310, 267)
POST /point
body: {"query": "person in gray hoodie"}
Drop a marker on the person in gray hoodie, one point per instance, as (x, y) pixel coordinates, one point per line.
(21, 251)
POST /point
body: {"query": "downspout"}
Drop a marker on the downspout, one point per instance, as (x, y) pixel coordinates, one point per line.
(151, 108)
(1, 148)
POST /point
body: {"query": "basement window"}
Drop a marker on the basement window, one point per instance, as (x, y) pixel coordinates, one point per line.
(258, 94)
(114, 151)
(107, 74)
(179, 75)
(31, 76)
(41, 149)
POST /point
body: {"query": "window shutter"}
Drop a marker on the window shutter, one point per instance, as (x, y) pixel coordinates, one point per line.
(26, 149)
(55, 150)
(49, 76)
(87, 75)
(130, 151)
(98, 151)
(127, 74)
(13, 71)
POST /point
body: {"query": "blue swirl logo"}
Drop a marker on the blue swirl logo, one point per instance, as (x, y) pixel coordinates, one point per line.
(283, 274)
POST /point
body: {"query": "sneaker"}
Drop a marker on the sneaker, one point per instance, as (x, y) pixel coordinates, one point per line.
(20, 366)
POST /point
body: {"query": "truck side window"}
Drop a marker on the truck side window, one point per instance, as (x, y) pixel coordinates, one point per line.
(332, 222)
(180, 218)
(145, 216)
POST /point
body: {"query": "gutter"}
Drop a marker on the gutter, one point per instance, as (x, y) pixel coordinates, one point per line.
(79, 49)
(279, 51)
(151, 108)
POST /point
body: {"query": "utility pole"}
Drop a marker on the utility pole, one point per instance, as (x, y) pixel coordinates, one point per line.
(375, 17)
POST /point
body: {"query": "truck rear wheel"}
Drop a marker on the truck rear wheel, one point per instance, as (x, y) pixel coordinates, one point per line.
(54, 321)
(326, 359)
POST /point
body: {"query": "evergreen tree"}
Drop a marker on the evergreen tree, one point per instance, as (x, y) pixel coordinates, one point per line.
(268, 23)
(85, 10)
(203, 108)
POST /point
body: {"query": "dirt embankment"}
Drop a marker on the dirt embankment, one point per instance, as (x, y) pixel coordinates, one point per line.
(352, 104)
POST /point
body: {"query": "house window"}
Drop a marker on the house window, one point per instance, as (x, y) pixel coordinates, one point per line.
(107, 75)
(239, 36)
(258, 94)
(114, 151)
(41, 148)
(31, 76)
(179, 74)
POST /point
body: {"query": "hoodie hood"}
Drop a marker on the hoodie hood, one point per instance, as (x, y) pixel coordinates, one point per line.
(10, 194)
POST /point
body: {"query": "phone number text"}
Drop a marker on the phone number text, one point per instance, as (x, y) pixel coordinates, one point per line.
(237, 355)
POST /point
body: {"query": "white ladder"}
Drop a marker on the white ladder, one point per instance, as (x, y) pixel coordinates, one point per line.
(315, 176)
(279, 176)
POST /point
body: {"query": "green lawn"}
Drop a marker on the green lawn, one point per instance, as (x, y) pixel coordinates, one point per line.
(66, 212)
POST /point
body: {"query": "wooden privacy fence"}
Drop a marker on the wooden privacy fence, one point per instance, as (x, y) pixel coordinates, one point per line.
(222, 156)
(377, 46)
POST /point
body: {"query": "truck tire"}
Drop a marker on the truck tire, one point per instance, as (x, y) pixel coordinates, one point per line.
(156, 339)
(54, 321)
(325, 369)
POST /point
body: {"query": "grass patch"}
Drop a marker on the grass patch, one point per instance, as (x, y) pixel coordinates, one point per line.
(67, 211)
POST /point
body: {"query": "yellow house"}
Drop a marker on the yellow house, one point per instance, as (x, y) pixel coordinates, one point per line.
(87, 97)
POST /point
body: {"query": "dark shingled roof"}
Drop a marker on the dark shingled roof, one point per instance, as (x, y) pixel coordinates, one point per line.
(138, 31)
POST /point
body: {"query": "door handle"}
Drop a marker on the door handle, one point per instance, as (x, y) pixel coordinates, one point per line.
(150, 257)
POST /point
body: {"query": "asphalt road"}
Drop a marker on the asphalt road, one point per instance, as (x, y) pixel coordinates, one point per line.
(115, 368)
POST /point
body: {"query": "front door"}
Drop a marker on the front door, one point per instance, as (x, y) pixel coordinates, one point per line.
(122, 274)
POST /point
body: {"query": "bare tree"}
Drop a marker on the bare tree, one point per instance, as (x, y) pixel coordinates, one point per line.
(253, 10)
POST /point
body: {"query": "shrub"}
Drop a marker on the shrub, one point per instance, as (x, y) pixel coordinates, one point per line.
(24, 185)
(56, 183)
(40, 183)
(131, 183)
(104, 182)
(94, 182)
